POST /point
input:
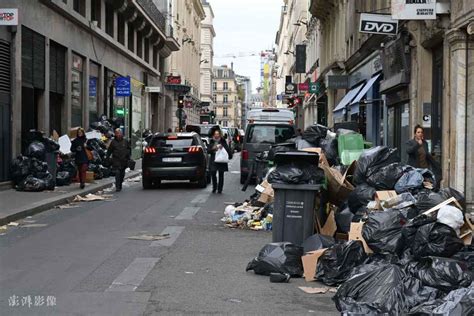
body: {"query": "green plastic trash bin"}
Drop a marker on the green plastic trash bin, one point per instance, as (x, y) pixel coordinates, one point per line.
(294, 212)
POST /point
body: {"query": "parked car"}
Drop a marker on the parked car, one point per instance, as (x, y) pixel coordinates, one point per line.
(234, 140)
(259, 137)
(271, 114)
(202, 129)
(171, 156)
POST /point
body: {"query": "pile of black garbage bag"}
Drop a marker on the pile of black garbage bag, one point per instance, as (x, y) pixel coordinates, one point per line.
(107, 126)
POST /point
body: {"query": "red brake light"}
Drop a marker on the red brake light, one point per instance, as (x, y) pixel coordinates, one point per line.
(172, 137)
(194, 149)
(245, 154)
(150, 150)
(238, 138)
(291, 122)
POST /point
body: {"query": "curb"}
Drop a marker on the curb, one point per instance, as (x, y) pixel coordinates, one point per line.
(47, 204)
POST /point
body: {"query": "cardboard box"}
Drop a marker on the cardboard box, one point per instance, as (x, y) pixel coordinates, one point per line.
(72, 133)
(381, 196)
(89, 176)
(339, 187)
(267, 195)
(310, 262)
(330, 227)
(356, 234)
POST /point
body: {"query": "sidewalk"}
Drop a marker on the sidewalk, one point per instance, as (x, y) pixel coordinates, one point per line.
(15, 205)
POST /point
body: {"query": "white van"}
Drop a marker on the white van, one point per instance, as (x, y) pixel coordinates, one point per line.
(271, 114)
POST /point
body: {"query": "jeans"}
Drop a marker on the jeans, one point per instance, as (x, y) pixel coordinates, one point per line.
(219, 186)
(81, 169)
(119, 175)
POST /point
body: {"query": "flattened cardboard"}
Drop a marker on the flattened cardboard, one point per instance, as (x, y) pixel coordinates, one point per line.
(268, 194)
(339, 187)
(330, 227)
(310, 262)
(356, 234)
(381, 196)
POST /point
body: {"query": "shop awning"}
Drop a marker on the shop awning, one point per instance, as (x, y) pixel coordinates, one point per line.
(347, 98)
(364, 90)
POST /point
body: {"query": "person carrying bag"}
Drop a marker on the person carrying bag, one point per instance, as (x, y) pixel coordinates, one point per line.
(220, 155)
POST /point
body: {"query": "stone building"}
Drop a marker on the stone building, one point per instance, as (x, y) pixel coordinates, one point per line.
(226, 99)
(65, 56)
(207, 55)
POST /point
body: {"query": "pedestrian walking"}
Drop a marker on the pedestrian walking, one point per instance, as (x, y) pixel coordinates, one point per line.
(120, 151)
(419, 155)
(78, 147)
(220, 166)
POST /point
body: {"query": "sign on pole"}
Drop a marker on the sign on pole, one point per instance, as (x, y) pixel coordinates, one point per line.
(290, 88)
(8, 16)
(414, 9)
(378, 24)
(122, 87)
(303, 86)
(313, 87)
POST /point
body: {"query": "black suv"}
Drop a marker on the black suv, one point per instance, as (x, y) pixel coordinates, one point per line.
(181, 156)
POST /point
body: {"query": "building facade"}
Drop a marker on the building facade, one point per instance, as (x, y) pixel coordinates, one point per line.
(65, 57)
(207, 55)
(226, 98)
(245, 93)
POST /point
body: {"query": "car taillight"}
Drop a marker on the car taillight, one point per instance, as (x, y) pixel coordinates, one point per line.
(245, 154)
(194, 149)
(291, 122)
(238, 138)
(150, 150)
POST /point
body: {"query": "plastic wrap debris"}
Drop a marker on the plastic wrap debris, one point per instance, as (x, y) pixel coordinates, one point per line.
(399, 202)
(445, 274)
(382, 231)
(229, 210)
(317, 290)
(296, 173)
(386, 177)
(317, 241)
(314, 133)
(372, 160)
(436, 239)
(360, 197)
(413, 180)
(282, 257)
(92, 197)
(386, 290)
(246, 216)
(451, 216)
(336, 263)
(456, 303)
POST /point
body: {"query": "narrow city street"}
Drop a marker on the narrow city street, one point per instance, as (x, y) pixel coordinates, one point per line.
(84, 262)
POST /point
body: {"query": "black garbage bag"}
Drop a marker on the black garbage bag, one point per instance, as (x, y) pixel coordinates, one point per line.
(343, 220)
(360, 197)
(36, 150)
(337, 262)
(48, 179)
(63, 178)
(37, 167)
(386, 290)
(457, 303)
(445, 274)
(386, 177)
(436, 239)
(375, 261)
(296, 173)
(279, 148)
(427, 199)
(318, 241)
(466, 254)
(383, 231)
(372, 160)
(20, 168)
(69, 166)
(412, 181)
(31, 184)
(50, 145)
(314, 133)
(330, 150)
(280, 257)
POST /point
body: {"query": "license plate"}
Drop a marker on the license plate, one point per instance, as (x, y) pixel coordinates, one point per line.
(178, 159)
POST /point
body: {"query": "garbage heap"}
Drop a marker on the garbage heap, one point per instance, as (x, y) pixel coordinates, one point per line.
(385, 237)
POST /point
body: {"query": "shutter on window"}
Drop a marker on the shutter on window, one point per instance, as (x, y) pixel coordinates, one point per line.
(38, 61)
(5, 67)
(27, 56)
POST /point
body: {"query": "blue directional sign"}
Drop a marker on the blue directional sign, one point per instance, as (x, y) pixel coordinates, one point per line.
(122, 87)
(92, 86)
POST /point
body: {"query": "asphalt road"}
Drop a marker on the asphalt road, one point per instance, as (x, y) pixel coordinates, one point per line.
(81, 262)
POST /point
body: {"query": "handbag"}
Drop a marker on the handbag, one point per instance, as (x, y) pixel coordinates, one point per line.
(131, 164)
(90, 155)
(222, 156)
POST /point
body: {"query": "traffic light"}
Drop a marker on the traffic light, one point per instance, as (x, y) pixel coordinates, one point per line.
(180, 101)
(212, 116)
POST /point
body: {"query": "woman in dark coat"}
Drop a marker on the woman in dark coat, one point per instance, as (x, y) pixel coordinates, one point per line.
(78, 147)
(217, 142)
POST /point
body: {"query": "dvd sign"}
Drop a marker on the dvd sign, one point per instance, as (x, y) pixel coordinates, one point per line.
(378, 24)
(8, 16)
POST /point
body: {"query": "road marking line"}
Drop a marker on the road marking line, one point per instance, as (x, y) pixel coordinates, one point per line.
(173, 231)
(187, 213)
(200, 198)
(133, 275)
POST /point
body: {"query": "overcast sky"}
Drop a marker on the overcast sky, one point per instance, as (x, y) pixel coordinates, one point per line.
(244, 26)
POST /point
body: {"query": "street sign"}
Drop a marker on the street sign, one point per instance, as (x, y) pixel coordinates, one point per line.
(122, 87)
(313, 87)
(414, 9)
(290, 88)
(156, 89)
(338, 82)
(92, 86)
(303, 86)
(173, 79)
(9, 16)
(378, 24)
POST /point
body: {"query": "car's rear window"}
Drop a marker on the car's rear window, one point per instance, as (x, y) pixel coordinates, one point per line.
(269, 133)
(173, 143)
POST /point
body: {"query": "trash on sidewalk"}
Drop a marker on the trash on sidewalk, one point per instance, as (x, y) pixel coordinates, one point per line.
(67, 206)
(278, 258)
(150, 237)
(92, 197)
(36, 225)
(14, 224)
(279, 277)
(317, 290)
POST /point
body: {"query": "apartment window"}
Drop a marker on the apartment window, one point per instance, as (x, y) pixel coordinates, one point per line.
(139, 44)
(214, 85)
(225, 123)
(225, 74)
(131, 38)
(226, 86)
(226, 98)
(121, 29)
(162, 65)
(225, 112)
(214, 98)
(147, 50)
(109, 19)
(95, 11)
(79, 6)
(155, 57)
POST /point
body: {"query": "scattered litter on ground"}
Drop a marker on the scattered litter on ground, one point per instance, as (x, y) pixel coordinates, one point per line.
(134, 179)
(189, 272)
(33, 225)
(4, 227)
(317, 290)
(69, 205)
(15, 224)
(234, 300)
(149, 237)
(92, 197)
(28, 221)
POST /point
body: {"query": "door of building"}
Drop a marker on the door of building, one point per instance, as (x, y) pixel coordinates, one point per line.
(435, 134)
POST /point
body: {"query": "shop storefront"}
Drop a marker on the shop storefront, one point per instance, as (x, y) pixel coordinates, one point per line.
(93, 87)
(76, 90)
(117, 107)
(137, 117)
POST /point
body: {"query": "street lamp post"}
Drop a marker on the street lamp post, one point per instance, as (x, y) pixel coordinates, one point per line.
(385, 116)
